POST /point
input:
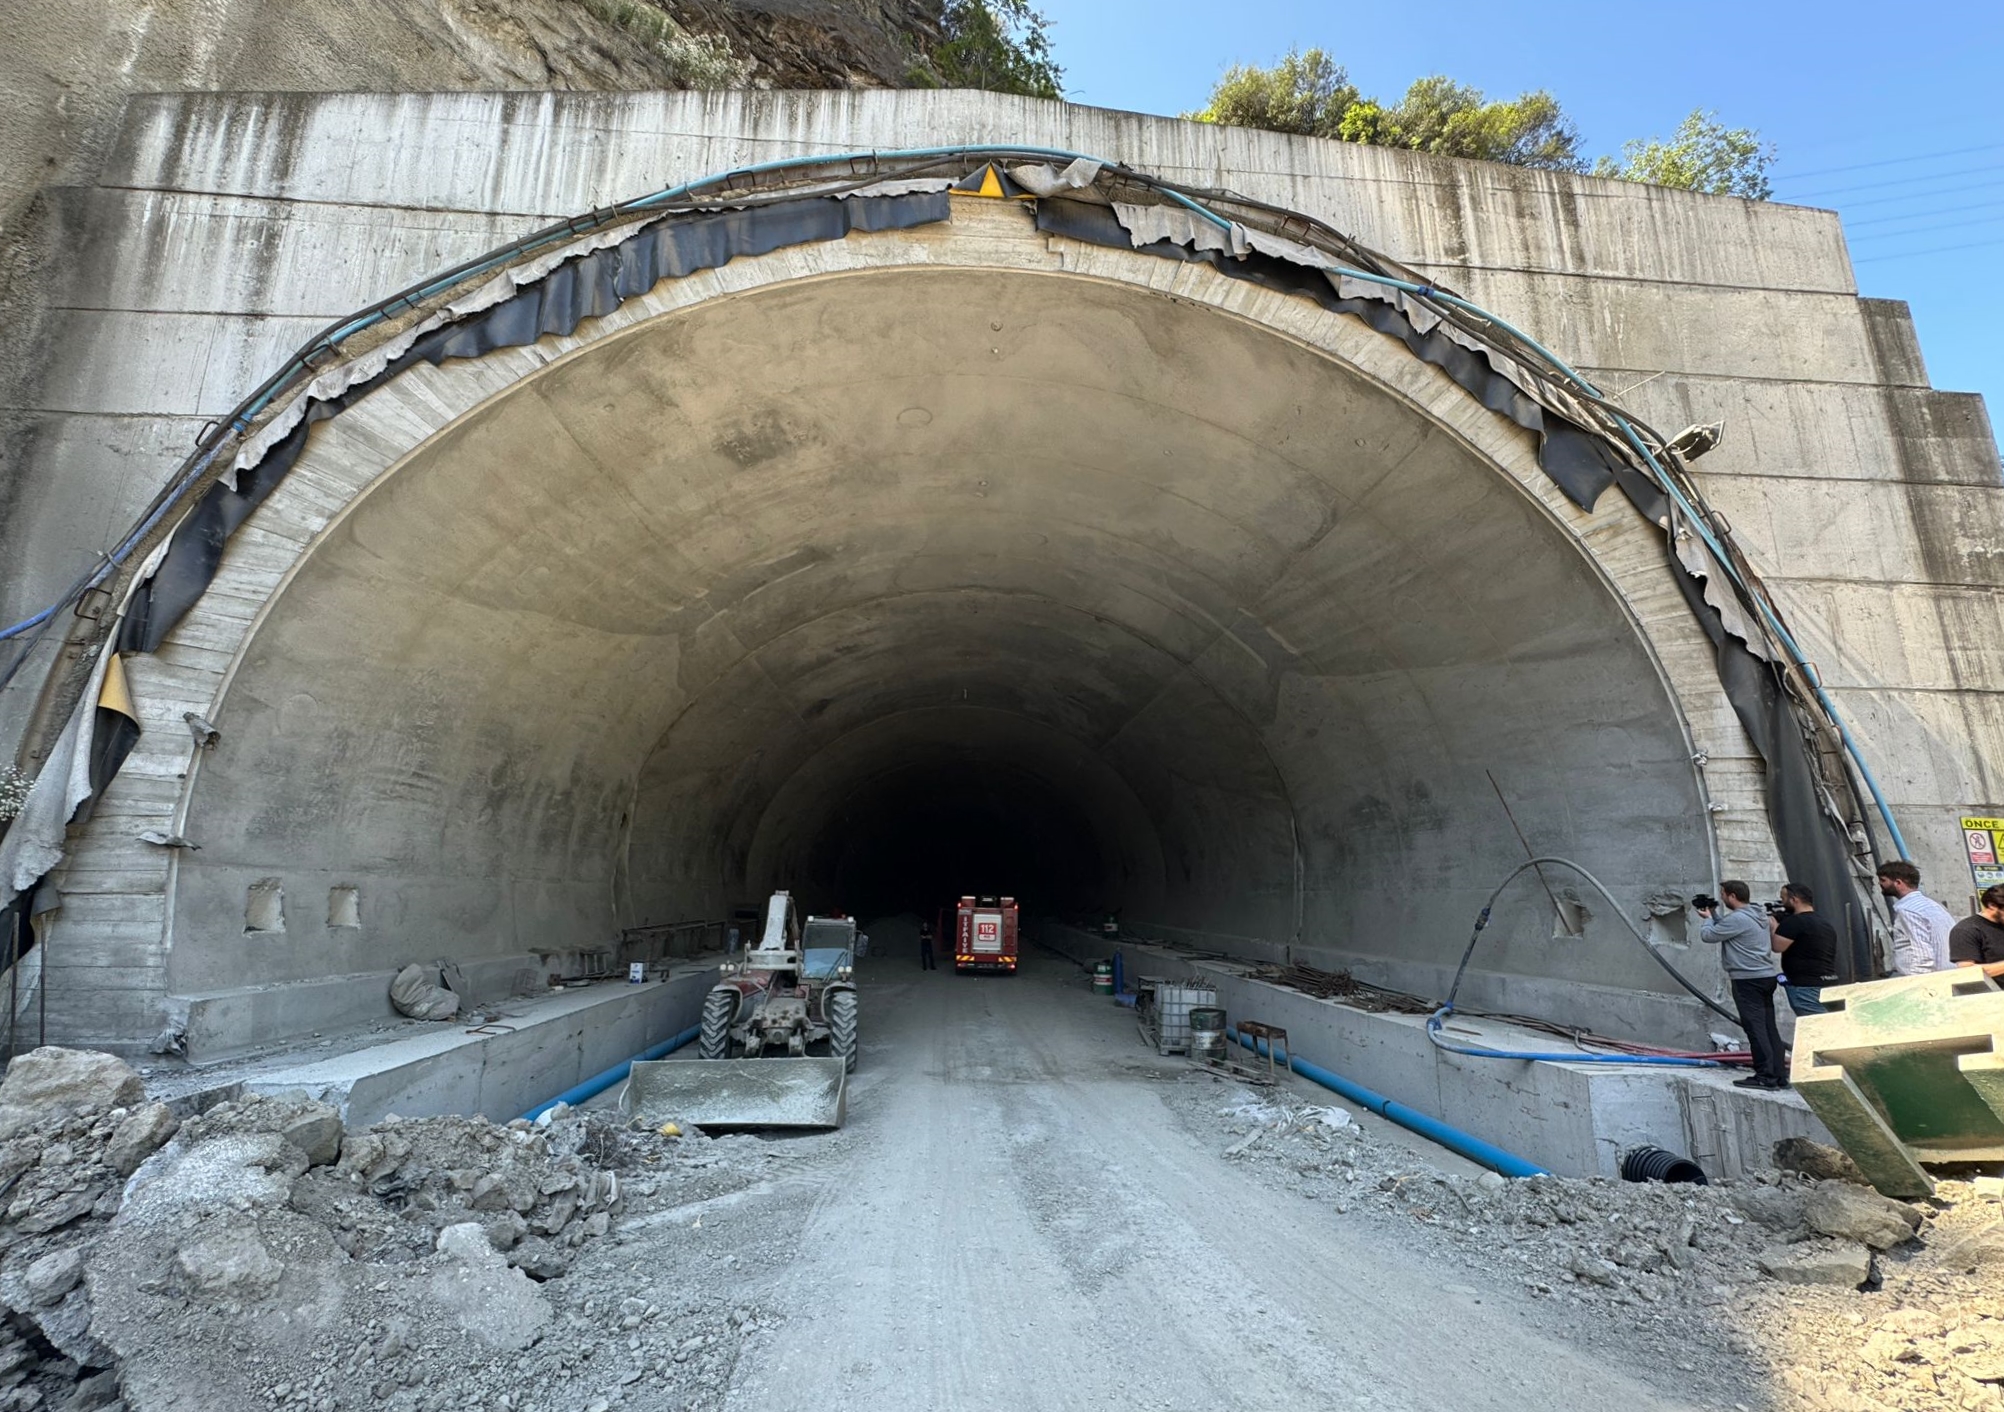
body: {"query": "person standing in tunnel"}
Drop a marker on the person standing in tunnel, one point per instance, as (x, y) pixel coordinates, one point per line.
(1920, 924)
(1808, 947)
(925, 947)
(1742, 938)
(1978, 939)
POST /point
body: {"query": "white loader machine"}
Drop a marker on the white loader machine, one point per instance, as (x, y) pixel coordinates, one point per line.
(790, 993)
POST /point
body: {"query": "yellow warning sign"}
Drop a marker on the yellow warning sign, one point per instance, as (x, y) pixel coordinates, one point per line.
(1983, 840)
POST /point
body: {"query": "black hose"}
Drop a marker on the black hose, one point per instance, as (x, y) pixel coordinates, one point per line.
(1482, 920)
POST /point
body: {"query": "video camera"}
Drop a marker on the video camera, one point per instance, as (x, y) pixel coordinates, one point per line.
(1705, 903)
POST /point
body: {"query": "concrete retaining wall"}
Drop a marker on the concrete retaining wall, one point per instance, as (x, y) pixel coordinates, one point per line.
(1575, 1119)
(502, 1072)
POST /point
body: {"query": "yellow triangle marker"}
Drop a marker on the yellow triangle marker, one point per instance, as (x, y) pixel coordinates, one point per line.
(990, 186)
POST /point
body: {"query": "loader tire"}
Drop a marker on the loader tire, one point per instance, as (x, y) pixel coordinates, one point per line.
(842, 1028)
(720, 1007)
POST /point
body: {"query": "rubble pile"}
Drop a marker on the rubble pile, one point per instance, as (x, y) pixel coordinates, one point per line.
(259, 1254)
(1848, 1300)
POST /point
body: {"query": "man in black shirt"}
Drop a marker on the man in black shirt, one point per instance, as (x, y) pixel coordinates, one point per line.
(1808, 947)
(1979, 940)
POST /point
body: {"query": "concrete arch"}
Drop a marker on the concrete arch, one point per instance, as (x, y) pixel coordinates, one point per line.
(532, 647)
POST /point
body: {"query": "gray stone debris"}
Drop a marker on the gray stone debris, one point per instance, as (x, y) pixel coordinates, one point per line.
(317, 1132)
(1817, 1161)
(1982, 1249)
(1854, 1213)
(1593, 1270)
(139, 1136)
(505, 1231)
(53, 1276)
(1819, 1263)
(232, 1261)
(498, 1305)
(47, 1082)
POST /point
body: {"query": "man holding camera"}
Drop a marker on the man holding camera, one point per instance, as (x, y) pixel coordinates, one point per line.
(1808, 948)
(1741, 934)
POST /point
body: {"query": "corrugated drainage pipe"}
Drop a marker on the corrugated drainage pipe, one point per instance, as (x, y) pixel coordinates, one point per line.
(1455, 1140)
(599, 1083)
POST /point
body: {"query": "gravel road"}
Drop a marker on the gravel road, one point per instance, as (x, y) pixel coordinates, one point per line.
(1015, 1219)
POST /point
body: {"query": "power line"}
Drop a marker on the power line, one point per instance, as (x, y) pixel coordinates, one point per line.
(1929, 229)
(1920, 195)
(1895, 161)
(1903, 181)
(1920, 215)
(1932, 250)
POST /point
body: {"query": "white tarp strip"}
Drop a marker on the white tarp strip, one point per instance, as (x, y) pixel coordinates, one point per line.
(907, 186)
(1697, 561)
(1039, 179)
(1146, 225)
(337, 380)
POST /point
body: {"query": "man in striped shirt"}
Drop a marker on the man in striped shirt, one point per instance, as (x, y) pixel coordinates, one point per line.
(1920, 924)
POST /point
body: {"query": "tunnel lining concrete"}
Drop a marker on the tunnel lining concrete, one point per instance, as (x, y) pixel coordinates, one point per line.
(302, 511)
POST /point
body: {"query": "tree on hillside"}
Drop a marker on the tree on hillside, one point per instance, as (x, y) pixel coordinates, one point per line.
(1310, 94)
(1306, 94)
(1702, 155)
(1003, 46)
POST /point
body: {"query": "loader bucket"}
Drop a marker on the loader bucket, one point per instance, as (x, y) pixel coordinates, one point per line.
(731, 1094)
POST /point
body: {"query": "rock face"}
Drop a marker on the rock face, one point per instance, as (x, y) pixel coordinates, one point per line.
(48, 1082)
(1854, 1213)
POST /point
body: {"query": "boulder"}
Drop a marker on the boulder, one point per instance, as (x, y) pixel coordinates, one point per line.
(499, 1306)
(1819, 1263)
(1589, 1270)
(1817, 1161)
(232, 1261)
(41, 1217)
(510, 1188)
(317, 1132)
(1777, 1208)
(1857, 1213)
(1982, 1249)
(139, 1136)
(540, 1260)
(1977, 1351)
(53, 1276)
(506, 1230)
(50, 1082)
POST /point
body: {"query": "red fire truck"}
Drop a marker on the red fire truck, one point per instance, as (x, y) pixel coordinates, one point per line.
(984, 935)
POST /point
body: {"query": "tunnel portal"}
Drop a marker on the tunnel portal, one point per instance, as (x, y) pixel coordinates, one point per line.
(898, 582)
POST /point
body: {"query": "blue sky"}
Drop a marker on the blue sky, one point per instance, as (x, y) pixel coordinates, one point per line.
(1890, 116)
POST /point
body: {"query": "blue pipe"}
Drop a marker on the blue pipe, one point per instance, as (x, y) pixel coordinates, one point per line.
(1455, 1140)
(599, 1083)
